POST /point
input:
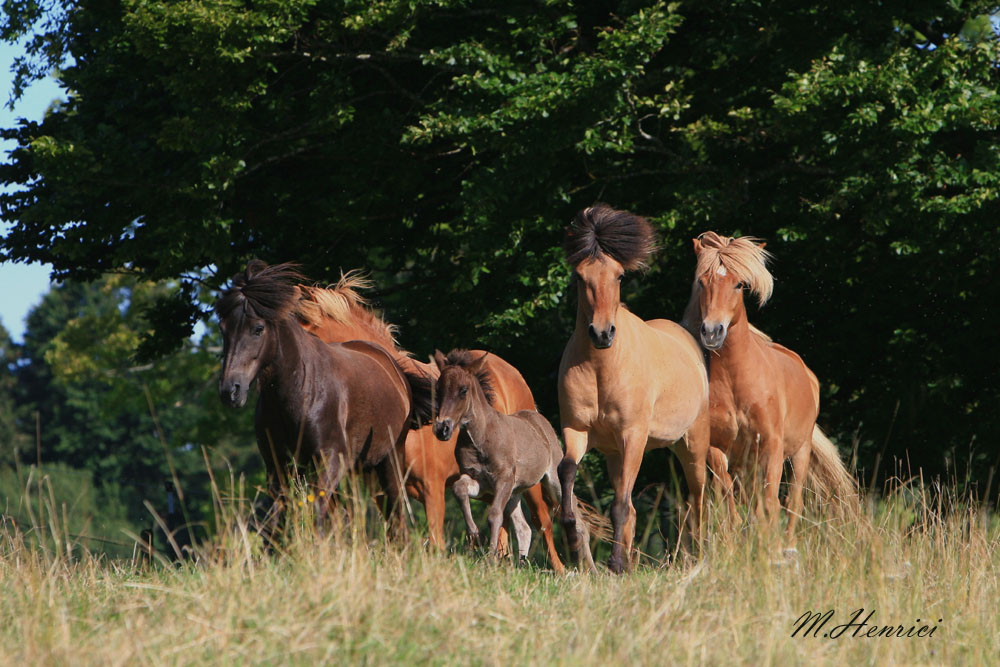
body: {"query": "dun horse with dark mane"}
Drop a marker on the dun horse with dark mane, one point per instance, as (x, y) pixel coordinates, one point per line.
(332, 405)
(626, 385)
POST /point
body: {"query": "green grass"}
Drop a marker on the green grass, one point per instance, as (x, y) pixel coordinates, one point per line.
(352, 596)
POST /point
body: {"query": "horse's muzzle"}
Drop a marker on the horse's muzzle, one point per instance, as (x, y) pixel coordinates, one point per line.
(601, 339)
(713, 336)
(233, 395)
(443, 429)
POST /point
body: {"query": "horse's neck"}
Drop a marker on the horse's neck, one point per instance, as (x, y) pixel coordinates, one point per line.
(483, 420)
(741, 345)
(692, 312)
(287, 358)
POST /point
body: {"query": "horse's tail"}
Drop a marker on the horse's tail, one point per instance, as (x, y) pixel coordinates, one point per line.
(829, 479)
(597, 524)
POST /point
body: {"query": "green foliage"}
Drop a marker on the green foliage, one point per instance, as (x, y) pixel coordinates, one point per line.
(132, 427)
(443, 145)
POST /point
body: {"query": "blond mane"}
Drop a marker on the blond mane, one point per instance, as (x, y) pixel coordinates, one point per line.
(343, 303)
(743, 257)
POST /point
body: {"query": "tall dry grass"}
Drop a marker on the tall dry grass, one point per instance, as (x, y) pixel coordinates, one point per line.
(348, 595)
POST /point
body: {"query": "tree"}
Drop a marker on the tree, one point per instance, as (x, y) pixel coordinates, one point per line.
(133, 427)
(444, 145)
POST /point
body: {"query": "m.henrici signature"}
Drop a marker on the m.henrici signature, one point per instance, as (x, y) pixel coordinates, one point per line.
(812, 623)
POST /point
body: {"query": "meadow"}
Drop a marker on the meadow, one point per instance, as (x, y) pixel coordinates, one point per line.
(350, 595)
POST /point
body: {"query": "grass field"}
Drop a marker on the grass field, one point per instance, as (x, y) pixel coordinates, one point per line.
(352, 597)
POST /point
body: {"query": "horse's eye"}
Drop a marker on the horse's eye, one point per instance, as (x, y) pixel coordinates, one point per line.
(258, 330)
(621, 277)
(740, 285)
(463, 391)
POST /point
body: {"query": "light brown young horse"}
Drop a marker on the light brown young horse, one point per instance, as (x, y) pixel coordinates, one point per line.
(499, 455)
(340, 313)
(626, 386)
(764, 400)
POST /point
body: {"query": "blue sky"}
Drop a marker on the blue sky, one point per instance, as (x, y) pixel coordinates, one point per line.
(21, 285)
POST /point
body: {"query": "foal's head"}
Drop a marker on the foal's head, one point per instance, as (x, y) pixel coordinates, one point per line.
(602, 244)
(727, 267)
(258, 299)
(464, 382)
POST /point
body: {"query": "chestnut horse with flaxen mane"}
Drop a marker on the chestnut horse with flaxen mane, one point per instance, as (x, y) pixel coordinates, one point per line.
(626, 385)
(763, 399)
(340, 313)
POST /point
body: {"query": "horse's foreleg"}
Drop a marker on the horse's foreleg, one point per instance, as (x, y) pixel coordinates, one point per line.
(464, 488)
(623, 468)
(772, 460)
(693, 454)
(718, 463)
(501, 497)
(576, 447)
(391, 477)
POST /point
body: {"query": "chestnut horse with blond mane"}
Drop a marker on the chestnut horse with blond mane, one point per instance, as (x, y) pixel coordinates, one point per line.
(626, 385)
(339, 313)
(763, 399)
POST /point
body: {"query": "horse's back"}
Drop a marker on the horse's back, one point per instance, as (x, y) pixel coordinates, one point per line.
(796, 374)
(512, 391)
(384, 361)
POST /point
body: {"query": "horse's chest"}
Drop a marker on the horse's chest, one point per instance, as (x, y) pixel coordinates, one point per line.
(473, 462)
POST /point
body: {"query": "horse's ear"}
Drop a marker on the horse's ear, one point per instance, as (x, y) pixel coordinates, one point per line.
(439, 360)
(697, 245)
(762, 244)
(478, 364)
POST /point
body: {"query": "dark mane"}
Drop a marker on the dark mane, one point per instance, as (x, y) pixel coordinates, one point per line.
(269, 292)
(464, 359)
(601, 230)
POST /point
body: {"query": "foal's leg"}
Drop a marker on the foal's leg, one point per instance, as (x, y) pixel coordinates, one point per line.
(521, 530)
(501, 496)
(800, 469)
(464, 488)
(576, 447)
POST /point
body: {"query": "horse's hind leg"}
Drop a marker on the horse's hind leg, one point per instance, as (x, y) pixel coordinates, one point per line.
(464, 488)
(541, 518)
(521, 530)
(794, 506)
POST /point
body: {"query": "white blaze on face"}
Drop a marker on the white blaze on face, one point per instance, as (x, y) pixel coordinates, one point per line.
(721, 270)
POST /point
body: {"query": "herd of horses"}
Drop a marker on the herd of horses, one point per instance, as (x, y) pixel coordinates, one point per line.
(336, 393)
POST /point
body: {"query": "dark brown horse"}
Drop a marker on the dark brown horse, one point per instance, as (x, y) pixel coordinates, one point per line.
(337, 406)
(500, 455)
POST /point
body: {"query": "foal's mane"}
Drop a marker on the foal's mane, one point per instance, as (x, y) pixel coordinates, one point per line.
(601, 230)
(465, 358)
(269, 292)
(341, 302)
(743, 257)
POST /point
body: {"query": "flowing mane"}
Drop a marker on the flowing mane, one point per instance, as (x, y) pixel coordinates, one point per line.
(268, 292)
(464, 359)
(744, 257)
(342, 303)
(601, 230)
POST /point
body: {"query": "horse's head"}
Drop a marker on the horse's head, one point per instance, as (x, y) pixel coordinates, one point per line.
(599, 291)
(726, 268)
(461, 379)
(260, 298)
(602, 244)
